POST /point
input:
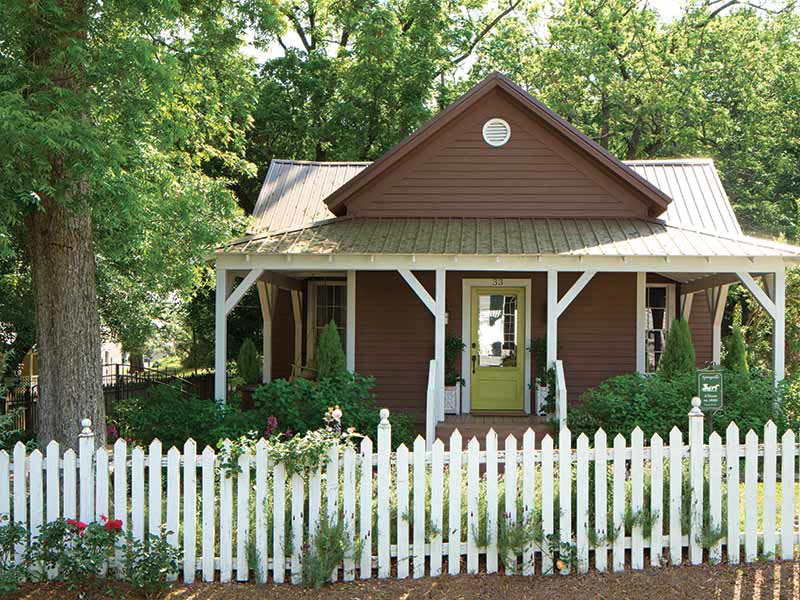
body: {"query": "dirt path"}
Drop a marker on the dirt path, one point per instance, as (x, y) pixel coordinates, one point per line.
(723, 582)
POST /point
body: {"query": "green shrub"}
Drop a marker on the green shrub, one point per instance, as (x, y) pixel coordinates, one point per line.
(11, 573)
(453, 346)
(328, 549)
(678, 357)
(147, 565)
(173, 417)
(301, 405)
(330, 356)
(735, 358)
(248, 363)
(656, 404)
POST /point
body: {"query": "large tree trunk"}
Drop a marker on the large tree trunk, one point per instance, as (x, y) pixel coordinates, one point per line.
(63, 273)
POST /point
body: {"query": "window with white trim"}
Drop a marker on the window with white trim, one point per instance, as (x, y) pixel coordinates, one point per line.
(327, 302)
(659, 312)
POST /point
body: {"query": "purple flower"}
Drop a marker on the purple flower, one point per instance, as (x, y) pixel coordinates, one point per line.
(112, 433)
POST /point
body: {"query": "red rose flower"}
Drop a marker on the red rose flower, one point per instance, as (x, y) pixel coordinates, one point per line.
(79, 525)
(114, 525)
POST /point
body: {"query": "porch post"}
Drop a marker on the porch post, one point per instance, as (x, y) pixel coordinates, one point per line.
(220, 335)
(779, 326)
(686, 306)
(552, 318)
(267, 298)
(641, 325)
(439, 315)
(350, 333)
(297, 317)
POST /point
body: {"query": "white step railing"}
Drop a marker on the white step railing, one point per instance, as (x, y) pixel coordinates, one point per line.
(561, 395)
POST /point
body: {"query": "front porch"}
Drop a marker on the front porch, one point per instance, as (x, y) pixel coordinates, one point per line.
(595, 314)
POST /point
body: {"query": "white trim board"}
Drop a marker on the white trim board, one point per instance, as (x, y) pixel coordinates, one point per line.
(466, 333)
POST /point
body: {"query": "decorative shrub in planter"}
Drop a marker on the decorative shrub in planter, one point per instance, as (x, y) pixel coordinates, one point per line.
(453, 346)
(249, 367)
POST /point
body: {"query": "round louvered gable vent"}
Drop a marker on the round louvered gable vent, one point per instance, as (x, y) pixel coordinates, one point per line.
(496, 132)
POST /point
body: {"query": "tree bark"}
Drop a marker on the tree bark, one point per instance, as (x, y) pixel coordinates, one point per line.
(68, 323)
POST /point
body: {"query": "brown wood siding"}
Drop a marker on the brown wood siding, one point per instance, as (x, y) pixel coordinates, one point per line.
(700, 325)
(394, 331)
(538, 173)
(597, 332)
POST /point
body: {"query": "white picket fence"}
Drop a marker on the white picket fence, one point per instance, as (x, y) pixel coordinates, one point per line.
(381, 497)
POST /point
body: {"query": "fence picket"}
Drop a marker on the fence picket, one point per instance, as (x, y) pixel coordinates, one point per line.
(473, 523)
(732, 455)
(242, 517)
(384, 485)
(298, 503)
(582, 504)
(137, 493)
(528, 500)
(225, 518)
(20, 495)
(120, 487)
(86, 472)
(190, 510)
(173, 500)
(419, 507)
(52, 459)
(750, 496)
(403, 514)
(511, 494)
(637, 498)
(656, 499)
(547, 503)
(437, 494)
(715, 494)
(365, 517)
(36, 492)
(279, 523)
(618, 506)
(768, 477)
(675, 507)
(262, 493)
(696, 484)
(455, 506)
(207, 548)
(491, 501)
(154, 488)
(314, 502)
(600, 500)
(101, 484)
(332, 494)
(787, 495)
(565, 490)
(349, 509)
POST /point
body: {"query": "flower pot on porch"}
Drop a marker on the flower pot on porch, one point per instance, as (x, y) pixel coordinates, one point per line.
(247, 392)
(540, 395)
(452, 399)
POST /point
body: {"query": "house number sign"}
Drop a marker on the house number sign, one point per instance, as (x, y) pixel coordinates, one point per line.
(709, 390)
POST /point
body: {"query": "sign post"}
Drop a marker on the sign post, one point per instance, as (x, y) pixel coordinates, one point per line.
(710, 392)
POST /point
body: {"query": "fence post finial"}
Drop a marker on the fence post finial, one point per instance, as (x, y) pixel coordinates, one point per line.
(86, 428)
(384, 418)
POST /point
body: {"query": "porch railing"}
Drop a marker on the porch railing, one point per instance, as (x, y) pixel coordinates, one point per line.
(561, 395)
(432, 408)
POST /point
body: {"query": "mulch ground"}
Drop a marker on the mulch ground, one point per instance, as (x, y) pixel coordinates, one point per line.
(757, 582)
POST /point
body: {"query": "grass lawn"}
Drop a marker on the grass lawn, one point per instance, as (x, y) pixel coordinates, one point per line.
(758, 581)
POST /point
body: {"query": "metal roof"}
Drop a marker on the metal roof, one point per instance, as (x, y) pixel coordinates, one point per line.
(698, 199)
(293, 194)
(507, 236)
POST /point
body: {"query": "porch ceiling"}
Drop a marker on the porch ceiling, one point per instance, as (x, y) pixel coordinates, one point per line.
(616, 237)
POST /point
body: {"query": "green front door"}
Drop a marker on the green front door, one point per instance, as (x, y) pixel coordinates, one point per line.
(496, 347)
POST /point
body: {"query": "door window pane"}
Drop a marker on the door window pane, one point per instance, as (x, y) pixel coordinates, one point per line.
(331, 306)
(497, 330)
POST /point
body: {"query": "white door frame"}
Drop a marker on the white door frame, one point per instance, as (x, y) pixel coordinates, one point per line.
(466, 333)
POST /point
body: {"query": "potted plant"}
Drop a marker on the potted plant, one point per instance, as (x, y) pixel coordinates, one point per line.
(542, 378)
(249, 367)
(453, 347)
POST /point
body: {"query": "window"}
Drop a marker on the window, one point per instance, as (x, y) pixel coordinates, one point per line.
(328, 302)
(659, 312)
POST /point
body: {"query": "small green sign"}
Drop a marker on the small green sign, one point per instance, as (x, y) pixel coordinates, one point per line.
(709, 389)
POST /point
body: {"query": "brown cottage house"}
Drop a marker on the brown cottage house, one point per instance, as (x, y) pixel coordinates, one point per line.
(500, 223)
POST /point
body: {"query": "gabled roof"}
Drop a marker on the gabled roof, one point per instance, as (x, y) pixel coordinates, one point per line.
(294, 192)
(655, 198)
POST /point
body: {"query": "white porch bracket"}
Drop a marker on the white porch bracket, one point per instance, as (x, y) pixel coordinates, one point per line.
(773, 301)
(297, 317)
(419, 289)
(556, 307)
(237, 294)
(758, 292)
(573, 292)
(686, 301)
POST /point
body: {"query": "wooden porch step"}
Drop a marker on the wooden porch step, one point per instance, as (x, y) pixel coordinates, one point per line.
(504, 425)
